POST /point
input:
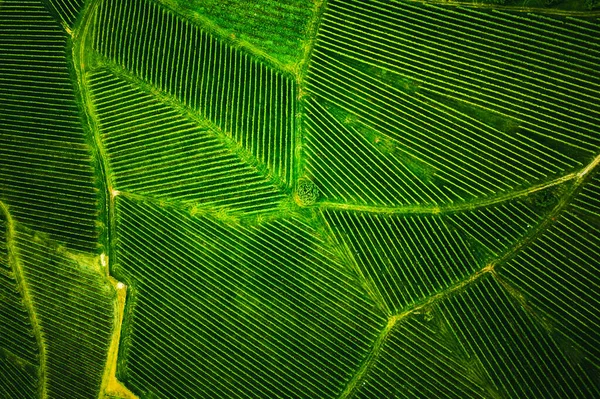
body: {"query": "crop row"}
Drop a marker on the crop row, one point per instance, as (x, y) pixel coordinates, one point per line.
(277, 27)
(46, 173)
(155, 150)
(336, 155)
(479, 343)
(67, 10)
(229, 311)
(246, 99)
(74, 307)
(541, 74)
(16, 332)
(466, 157)
(409, 258)
(19, 352)
(560, 276)
(16, 380)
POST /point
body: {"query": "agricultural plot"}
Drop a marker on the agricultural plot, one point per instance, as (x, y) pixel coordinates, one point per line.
(463, 337)
(408, 258)
(560, 265)
(46, 172)
(560, 6)
(19, 350)
(65, 11)
(156, 151)
(298, 199)
(57, 315)
(74, 307)
(556, 344)
(472, 102)
(253, 103)
(277, 29)
(262, 307)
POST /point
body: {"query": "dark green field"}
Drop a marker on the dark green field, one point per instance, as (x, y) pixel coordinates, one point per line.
(299, 199)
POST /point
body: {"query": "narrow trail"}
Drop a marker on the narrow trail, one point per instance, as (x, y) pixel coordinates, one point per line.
(110, 384)
(452, 208)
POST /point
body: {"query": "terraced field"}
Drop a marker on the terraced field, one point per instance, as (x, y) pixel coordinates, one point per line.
(299, 199)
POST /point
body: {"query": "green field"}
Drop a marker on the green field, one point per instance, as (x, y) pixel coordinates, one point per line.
(299, 199)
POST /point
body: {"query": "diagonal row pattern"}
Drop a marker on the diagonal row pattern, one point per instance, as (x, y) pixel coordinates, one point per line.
(46, 173)
(541, 71)
(223, 310)
(155, 150)
(422, 105)
(67, 10)
(336, 156)
(277, 28)
(19, 352)
(74, 305)
(403, 111)
(249, 101)
(18, 380)
(406, 258)
(478, 344)
(559, 275)
(588, 200)
(493, 230)
(409, 258)
(16, 333)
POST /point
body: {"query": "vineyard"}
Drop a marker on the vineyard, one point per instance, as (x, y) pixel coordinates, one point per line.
(299, 199)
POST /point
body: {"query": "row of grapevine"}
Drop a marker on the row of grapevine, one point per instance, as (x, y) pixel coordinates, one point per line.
(540, 72)
(46, 173)
(480, 343)
(495, 229)
(224, 310)
(560, 276)
(156, 150)
(18, 381)
(275, 27)
(409, 258)
(19, 351)
(451, 156)
(336, 155)
(456, 116)
(74, 305)
(66, 10)
(251, 102)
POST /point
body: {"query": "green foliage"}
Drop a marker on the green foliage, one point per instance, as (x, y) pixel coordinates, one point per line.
(465, 364)
(211, 170)
(405, 204)
(46, 172)
(19, 350)
(556, 265)
(547, 198)
(66, 11)
(277, 27)
(470, 155)
(235, 310)
(307, 192)
(591, 4)
(228, 98)
(18, 380)
(74, 307)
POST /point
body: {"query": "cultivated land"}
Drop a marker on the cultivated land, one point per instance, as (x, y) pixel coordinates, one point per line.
(299, 199)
